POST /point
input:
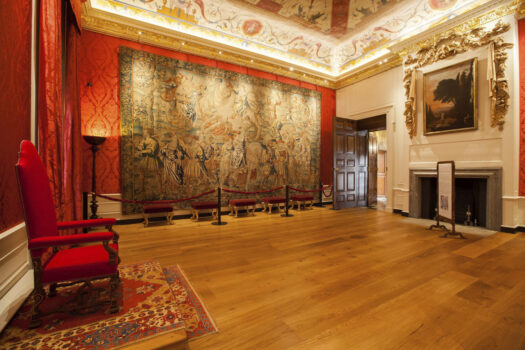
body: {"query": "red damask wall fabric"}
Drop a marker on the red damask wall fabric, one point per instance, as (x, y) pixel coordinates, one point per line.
(72, 162)
(50, 98)
(15, 102)
(521, 30)
(99, 81)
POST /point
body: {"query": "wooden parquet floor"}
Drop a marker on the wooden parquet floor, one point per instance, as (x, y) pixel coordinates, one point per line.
(348, 279)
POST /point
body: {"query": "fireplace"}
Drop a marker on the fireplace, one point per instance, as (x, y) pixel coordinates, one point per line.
(478, 190)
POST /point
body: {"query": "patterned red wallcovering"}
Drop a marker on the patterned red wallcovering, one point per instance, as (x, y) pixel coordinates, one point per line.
(521, 29)
(98, 64)
(15, 102)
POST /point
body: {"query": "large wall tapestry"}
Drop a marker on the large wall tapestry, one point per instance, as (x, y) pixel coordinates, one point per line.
(187, 128)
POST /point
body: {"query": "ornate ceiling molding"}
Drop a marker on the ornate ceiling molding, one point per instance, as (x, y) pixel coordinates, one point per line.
(125, 28)
(411, 46)
(217, 52)
(374, 68)
(521, 11)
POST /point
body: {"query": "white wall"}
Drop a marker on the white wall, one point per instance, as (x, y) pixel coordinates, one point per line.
(484, 147)
(380, 94)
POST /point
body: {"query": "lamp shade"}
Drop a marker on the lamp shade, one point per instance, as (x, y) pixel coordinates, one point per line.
(94, 140)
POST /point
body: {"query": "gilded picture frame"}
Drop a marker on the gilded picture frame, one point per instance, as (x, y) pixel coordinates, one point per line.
(450, 98)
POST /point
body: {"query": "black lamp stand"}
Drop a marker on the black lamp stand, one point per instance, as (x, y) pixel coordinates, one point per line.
(94, 141)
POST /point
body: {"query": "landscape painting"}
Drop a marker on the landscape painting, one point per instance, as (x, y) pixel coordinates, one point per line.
(450, 98)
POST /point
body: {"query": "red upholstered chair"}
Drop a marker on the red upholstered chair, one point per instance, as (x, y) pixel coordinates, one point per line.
(80, 264)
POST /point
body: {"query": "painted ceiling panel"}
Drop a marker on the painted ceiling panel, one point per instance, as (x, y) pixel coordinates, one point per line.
(327, 36)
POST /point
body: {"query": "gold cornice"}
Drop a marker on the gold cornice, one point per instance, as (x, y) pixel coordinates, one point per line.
(369, 72)
(521, 11)
(129, 32)
(110, 26)
(466, 26)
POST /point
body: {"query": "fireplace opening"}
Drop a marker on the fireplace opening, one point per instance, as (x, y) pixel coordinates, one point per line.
(471, 197)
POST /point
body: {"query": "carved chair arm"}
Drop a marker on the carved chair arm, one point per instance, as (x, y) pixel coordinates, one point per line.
(107, 222)
(56, 241)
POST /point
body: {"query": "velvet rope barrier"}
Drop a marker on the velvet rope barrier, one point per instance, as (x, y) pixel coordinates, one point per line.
(155, 202)
(316, 190)
(254, 192)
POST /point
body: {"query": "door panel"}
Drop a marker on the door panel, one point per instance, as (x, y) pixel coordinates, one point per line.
(362, 167)
(350, 181)
(344, 136)
(350, 144)
(372, 169)
(340, 182)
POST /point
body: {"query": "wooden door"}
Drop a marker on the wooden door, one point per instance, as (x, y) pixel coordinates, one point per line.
(344, 147)
(361, 150)
(372, 169)
(381, 173)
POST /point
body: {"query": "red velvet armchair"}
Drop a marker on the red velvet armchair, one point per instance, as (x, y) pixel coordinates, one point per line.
(70, 265)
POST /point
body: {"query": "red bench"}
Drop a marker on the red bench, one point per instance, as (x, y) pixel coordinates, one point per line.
(302, 199)
(151, 209)
(236, 203)
(268, 202)
(203, 205)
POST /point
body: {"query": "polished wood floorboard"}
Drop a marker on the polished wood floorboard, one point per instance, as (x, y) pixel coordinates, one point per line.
(348, 279)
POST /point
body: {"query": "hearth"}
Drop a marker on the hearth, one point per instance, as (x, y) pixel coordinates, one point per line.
(478, 191)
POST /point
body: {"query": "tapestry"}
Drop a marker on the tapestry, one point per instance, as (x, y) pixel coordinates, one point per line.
(187, 128)
(147, 308)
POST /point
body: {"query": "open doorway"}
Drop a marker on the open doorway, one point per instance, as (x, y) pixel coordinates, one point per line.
(359, 151)
(377, 176)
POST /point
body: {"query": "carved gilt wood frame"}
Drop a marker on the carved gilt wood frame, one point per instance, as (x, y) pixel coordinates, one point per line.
(451, 45)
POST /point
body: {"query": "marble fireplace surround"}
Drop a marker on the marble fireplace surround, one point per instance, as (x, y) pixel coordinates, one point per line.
(493, 211)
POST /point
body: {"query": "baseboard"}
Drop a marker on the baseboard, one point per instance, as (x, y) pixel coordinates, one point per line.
(510, 229)
(15, 297)
(399, 211)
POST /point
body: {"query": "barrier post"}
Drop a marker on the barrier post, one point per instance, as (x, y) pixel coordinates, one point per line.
(286, 214)
(84, 209)
(219, 215)
(321, 205)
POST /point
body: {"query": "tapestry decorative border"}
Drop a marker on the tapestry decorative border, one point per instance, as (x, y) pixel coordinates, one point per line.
(187, 128)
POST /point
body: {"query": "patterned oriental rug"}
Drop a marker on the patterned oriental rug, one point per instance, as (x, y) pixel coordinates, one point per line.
(192, 311)
(150, 307)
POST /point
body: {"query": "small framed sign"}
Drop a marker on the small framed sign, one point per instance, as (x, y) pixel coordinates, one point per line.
(446, 197)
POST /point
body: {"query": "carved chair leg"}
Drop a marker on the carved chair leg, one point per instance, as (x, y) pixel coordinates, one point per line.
(116, 236)
(214, 214)
(38, 297)
(196, 214)
(52, 290)
(270, 208)
(113, 295)
(146, 223)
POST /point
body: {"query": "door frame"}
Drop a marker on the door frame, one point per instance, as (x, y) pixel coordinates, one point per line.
(393, 194)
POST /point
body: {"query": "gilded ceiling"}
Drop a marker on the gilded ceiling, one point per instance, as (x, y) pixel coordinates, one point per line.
(332, 17)
(326, 37)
